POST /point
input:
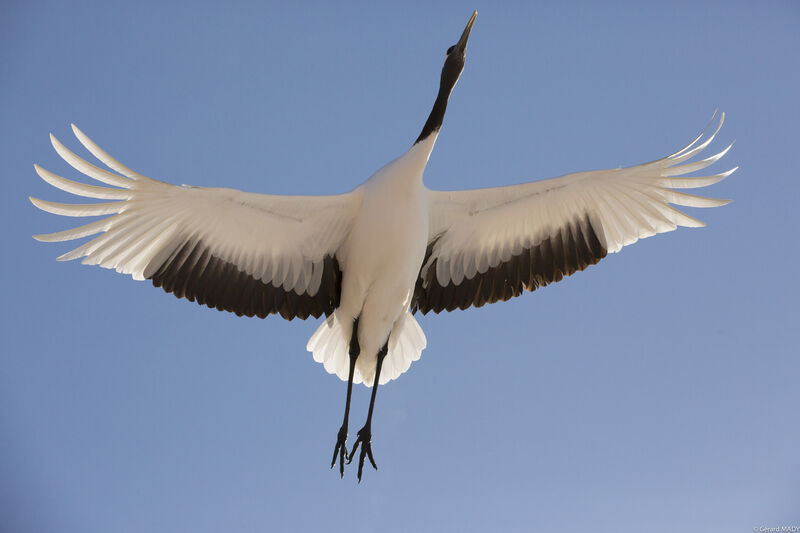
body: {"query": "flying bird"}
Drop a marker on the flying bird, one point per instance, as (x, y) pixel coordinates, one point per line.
(369, 259)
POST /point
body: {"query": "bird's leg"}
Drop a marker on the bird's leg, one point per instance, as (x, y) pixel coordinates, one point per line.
(365, 433)
(341, 437)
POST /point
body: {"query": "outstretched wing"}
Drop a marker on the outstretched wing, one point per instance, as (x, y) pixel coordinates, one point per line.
(488, 245)
(251, 254)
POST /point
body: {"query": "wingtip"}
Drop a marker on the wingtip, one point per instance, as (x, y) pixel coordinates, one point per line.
(57, 145)
(40, 171)
(721, 115)
(40, 204)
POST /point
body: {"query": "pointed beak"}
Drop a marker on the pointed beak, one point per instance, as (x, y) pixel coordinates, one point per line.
(462, 42)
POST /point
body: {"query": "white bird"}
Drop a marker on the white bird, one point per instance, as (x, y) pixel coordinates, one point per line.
(369, 259)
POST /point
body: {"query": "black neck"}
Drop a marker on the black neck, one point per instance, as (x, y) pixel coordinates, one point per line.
(435, 119)
(453, 66)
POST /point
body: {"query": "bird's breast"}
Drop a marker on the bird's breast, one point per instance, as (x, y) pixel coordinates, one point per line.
(386, 246)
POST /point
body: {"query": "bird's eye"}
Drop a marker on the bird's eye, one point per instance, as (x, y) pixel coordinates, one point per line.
(450, 50)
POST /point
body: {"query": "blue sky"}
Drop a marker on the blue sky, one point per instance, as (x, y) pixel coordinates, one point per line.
(656, 391)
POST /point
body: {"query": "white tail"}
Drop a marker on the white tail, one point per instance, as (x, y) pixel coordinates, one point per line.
(330, 346)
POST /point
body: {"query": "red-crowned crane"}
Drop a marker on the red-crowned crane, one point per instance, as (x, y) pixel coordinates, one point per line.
(369, 259)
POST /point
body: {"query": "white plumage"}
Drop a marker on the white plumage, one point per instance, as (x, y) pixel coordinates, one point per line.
(370, 258)
(283, 240)
(484, 227)
(273, 238)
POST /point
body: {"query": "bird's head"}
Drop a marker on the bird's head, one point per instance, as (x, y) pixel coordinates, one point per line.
(453, 65)
(454, 60)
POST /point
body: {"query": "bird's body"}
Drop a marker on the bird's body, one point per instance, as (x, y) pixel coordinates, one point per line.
(371, 258)
(383, 252)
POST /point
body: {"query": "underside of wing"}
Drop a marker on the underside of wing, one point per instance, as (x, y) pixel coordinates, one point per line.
(250, 254)
(489, 245)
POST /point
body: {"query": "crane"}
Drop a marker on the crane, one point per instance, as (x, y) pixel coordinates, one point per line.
(369, 259)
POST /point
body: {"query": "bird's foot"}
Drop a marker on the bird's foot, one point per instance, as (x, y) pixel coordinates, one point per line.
(340, 449)
(365, 439)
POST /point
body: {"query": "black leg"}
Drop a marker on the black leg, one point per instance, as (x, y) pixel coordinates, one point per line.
(365, 433)
(341, 438)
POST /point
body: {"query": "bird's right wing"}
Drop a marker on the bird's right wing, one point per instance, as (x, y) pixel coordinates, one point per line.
(251, 254)
(488, 245)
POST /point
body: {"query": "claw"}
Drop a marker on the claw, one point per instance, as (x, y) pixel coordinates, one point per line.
(340, 449)
(352, 452)
(365, 440)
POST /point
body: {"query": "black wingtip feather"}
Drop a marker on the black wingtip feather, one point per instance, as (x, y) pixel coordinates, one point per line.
(566, 251)
(194, 273)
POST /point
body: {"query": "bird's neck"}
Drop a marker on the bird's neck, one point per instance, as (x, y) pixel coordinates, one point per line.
(412, 163)
(421, 151)
(435, 119)
(405, 173)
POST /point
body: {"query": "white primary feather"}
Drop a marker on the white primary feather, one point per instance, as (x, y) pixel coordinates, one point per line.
(285, 239)
(278, 239)
(485, 227)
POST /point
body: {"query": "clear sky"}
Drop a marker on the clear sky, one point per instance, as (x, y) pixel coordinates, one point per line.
(657, 391)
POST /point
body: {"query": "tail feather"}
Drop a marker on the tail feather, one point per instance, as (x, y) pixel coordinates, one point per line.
(330, 346)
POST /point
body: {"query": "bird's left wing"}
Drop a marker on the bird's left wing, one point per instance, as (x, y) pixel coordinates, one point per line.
(488, 245)
(251, 254)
